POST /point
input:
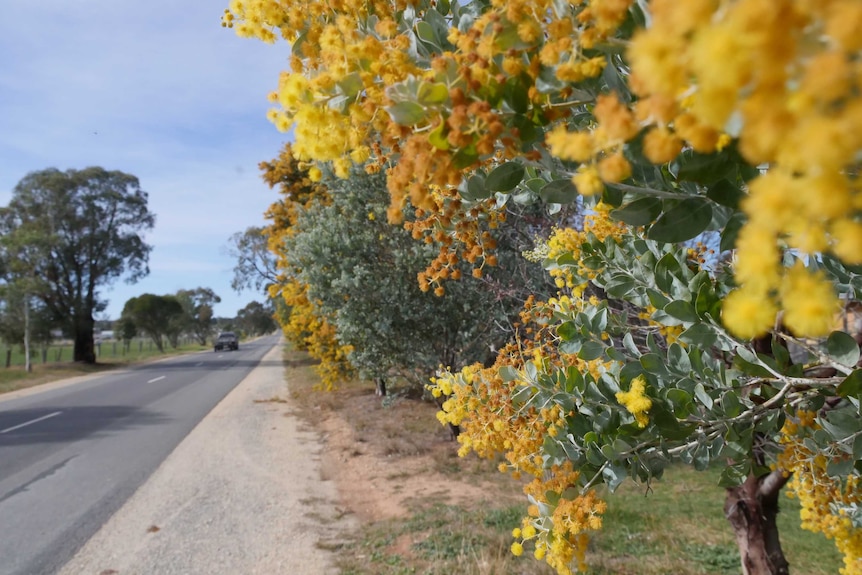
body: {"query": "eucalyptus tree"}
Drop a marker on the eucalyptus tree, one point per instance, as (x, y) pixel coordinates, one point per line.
(69, 234)
(154, 315)
(197, 318)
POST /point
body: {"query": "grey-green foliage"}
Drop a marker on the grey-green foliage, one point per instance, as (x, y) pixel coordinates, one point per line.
(66, 235)
(362, 271)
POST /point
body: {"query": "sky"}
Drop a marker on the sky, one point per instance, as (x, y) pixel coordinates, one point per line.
(157, 89)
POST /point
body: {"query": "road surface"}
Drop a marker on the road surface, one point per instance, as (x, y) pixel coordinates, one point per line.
(71, 456)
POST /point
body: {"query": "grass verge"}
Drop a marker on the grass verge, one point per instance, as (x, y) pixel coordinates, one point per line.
(679, 527)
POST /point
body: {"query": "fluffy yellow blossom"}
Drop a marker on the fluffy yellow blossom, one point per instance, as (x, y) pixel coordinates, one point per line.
(614, 168)
(810, 302)
(588, 181)
(660, 145)
(847, 237)
(635, 401)
(748, 313)
(575, 146)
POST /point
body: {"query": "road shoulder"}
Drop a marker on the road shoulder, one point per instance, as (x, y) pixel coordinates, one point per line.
(243, 493)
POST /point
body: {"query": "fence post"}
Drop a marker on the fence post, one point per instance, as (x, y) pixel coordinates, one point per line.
(44, 355)
(8, 358)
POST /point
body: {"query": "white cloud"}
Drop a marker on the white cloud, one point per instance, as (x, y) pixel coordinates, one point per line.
(155, 88)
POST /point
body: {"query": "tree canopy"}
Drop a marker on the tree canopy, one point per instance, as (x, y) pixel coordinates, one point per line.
(154, 315)
(69, 234)
(197, 318)
(663, 121)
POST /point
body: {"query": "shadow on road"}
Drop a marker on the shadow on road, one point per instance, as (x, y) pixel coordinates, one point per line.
(63, 424)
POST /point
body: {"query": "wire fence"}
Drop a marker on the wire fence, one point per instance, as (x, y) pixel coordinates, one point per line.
(63, 351)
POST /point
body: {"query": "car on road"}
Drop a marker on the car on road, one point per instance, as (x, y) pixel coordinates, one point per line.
(226, 340)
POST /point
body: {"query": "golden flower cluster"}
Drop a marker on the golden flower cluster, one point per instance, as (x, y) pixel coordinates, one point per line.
(783, 77)
(636, 401)
(303, 326)
(823, 498)
(491, 423)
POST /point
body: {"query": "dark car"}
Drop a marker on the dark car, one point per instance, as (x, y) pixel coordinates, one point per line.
(226, 340)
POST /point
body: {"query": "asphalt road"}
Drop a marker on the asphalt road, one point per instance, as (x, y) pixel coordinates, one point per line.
(71, 456)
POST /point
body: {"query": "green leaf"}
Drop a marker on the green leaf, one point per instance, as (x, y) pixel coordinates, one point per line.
(350, 85)
(653, 363)
(733, 475)
(406, 113)
(852, 385)
(515, 94)
(703, 396)
(705, 169)
(682, 222)
(425, 32)
(639, 212)
(681, 310)
(842, 348)
(509, 373)
(629, 344)
(431, 94)
(437, 137)
(535, 184)
(505, 177)
(680, 400)
(665, 270)
(725, 193)
(474, 189)
(699, 334)
(731, 231)
(465, 157)
(567, 330)
(559, 192)
(591, 350)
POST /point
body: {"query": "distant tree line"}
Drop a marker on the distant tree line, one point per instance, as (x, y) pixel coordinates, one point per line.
(64, 236)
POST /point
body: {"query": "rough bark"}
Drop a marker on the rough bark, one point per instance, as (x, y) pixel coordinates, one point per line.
(752, 509)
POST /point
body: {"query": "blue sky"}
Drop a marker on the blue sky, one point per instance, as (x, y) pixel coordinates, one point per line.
(157, 89)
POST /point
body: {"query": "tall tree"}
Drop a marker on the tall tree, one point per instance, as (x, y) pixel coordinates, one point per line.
(256, 318)
(154, 315)
(255, 264)
(197, 318)
(72, 233)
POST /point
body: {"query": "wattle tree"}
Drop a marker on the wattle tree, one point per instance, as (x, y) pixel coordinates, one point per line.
(736, 124)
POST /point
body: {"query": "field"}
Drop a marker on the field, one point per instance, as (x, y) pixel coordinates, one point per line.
(55, 362)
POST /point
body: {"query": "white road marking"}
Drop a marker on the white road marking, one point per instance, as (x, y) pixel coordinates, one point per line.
(199, 363)
(31, 422)
(155, 379)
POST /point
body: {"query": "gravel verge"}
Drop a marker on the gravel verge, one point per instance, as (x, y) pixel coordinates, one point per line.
(241, 495)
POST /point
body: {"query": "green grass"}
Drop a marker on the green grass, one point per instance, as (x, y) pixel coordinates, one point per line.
(59, 364)
(439, 539)
(679, 527)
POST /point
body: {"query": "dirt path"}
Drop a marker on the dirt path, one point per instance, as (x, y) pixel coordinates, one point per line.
(242, 494)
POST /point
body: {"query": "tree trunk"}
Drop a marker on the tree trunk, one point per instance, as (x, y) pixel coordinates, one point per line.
(752, 509)
(380, 387)
(84, 348)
